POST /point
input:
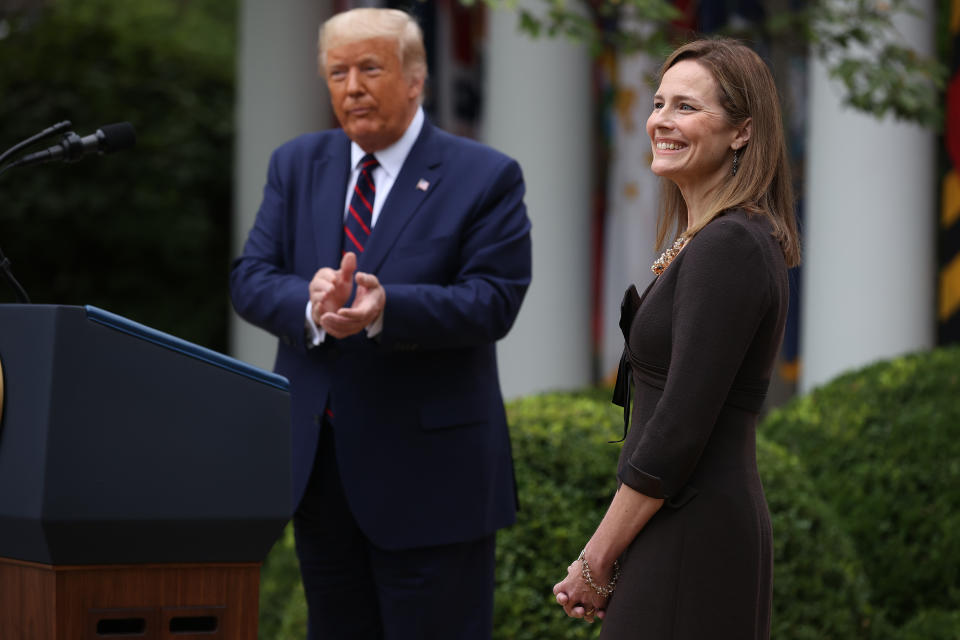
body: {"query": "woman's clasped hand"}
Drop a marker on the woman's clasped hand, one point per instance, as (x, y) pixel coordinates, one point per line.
(587, 588)
(577, 597)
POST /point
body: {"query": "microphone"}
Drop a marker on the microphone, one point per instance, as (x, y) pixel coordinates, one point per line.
(107, 139)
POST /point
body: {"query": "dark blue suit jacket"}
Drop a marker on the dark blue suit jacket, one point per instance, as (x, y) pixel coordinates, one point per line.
(421, 435)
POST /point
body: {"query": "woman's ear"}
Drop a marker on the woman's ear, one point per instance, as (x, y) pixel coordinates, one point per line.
(743, 135)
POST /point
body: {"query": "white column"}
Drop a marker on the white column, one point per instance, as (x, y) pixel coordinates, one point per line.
(869, 263)
(279, 95)
(633, 196)
(538, 110)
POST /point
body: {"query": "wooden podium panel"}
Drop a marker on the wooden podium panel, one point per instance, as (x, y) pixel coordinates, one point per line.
(148, 602)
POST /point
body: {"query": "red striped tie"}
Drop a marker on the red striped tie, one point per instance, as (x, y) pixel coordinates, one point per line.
(358, 224)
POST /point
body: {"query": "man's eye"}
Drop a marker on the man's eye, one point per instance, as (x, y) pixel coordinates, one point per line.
(686, 107)
(658, 105)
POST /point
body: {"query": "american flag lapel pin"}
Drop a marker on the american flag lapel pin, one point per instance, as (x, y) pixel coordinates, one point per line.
(422, 185)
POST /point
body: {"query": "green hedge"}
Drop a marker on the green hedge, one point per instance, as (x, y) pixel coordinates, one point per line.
(283, 609)
(820, 590)
(882, 446)
(863, 481)
(566, 477)
(932, 625)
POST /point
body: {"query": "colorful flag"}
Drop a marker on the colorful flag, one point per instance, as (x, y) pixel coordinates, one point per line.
(948, 294)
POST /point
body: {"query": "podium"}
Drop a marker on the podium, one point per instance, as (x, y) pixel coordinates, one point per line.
(143, 479)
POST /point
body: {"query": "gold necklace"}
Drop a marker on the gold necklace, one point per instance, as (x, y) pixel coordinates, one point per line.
(667, 256)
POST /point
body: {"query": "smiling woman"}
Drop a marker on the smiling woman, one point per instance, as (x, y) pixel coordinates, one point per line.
(686, 541)
(721, 94)
(693, 140)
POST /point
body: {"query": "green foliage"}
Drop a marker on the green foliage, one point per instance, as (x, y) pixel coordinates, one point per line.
(862, 477)
(566, 476)
(932, 625)
(608, 25)
(863, 50)
(144, 233)
(819, 588)
(882, 446)
(857, 40)
(283, 608)
(880, 73)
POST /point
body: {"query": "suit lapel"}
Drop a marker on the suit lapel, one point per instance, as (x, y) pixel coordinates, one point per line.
(418, 178)
(330, 175)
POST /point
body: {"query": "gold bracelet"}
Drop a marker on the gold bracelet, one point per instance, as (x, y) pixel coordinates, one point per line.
(602, 591)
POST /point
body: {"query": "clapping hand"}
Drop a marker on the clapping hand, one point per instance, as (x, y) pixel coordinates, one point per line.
(366, 308)
(329, 291)
(330, 288)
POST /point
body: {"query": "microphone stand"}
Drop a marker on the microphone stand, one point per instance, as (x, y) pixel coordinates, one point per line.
(5, 263)
(46, 133)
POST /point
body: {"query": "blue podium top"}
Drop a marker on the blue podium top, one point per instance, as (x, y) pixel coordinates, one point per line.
(179, 345)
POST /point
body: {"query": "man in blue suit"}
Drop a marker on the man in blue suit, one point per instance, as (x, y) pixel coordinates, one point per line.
(389, 257)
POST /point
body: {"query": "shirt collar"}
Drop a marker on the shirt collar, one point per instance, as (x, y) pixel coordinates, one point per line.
(391, 159)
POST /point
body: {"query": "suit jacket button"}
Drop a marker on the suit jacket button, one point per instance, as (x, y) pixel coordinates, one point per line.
(285, 339)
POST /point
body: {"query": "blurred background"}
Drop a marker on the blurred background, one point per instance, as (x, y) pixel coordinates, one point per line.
(861, 469)
(212, 87)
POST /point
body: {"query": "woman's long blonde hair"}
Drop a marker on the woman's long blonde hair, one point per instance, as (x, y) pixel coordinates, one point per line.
(763, 182)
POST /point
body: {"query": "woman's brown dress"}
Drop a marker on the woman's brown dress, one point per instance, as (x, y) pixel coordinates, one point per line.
(701, 344)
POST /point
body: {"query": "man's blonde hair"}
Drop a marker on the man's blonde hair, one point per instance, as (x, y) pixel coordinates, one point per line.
(367, 23)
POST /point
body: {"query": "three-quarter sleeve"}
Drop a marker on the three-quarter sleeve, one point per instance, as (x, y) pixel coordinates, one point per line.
(721, 294)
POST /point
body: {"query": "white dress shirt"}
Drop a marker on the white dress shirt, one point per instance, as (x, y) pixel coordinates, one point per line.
(391, 161)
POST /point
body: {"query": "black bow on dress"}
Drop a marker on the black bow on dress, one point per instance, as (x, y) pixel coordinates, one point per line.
(623, 388)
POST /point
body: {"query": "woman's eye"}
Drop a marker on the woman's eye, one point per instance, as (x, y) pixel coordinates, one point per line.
(685, 107)
(658, 105)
